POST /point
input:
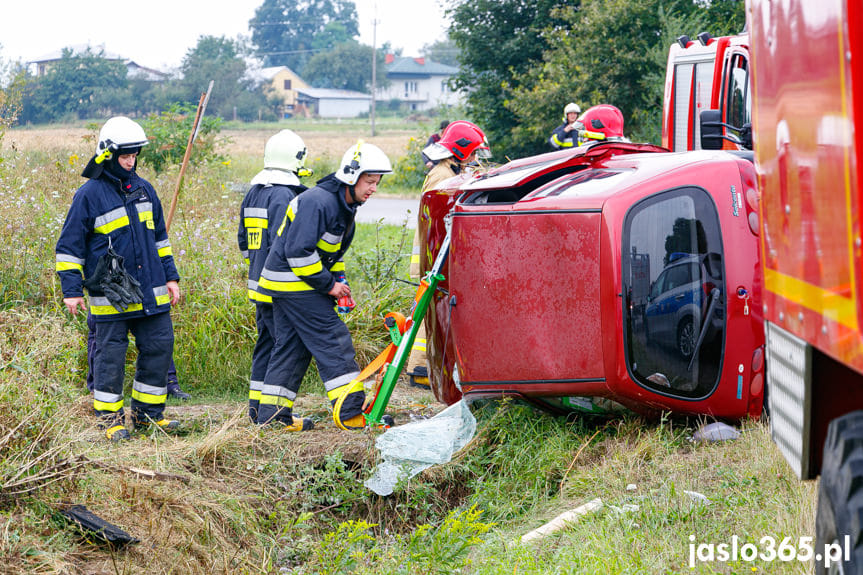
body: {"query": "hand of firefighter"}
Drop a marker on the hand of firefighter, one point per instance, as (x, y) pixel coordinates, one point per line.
(73, 303)
(174, 290)
(344, 301)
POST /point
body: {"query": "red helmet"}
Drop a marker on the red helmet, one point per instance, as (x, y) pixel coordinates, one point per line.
(460, 139)
(602, 122)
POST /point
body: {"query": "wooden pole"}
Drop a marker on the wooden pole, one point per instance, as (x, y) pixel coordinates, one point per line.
(202, 105)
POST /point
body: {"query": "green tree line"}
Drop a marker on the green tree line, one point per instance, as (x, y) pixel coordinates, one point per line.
(522, 61)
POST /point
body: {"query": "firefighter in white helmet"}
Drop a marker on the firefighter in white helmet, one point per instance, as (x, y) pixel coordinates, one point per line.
(565, 135)
(261, 213)
(114, 243)
(304, 276)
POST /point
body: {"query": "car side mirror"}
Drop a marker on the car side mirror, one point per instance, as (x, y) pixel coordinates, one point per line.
(711, 130)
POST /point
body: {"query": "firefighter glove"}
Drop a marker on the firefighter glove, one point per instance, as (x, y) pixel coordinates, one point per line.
(121, 289)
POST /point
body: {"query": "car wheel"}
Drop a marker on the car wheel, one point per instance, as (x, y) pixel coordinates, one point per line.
(840, 496)
(686, 337)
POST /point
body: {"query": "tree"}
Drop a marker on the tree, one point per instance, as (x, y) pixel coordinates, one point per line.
(219, 59)
(347, 67)
(287, 32)
(499, 42)
(82, 85)
(611, 51)
(442, 51)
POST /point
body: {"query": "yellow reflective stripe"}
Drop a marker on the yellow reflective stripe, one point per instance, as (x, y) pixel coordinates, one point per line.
(328, 247)
(103, 406)
(163, 299)
(113, 225)
(350, 387)
(415, 258)
(338, 267)
(274, 400)
(165, 252)
(255, 222)
(68, 266)
(109, 310)
(149, 398)
(255, 394)
(144, 216)
(308, 270)
(255, 296)
(247, 261)
(284, 286)
(419, 344)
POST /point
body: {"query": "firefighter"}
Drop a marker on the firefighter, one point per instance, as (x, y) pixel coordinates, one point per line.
(304, 274)
(261, 212)
(115, 244)
(433, 139)
(565, 136)
(460, 145)
(601, 123)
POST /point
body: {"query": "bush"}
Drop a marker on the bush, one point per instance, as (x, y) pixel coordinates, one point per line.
(168, 133)
(409, 170)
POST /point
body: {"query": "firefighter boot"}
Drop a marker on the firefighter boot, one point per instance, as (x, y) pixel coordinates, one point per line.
(298, 424)
(347, 407)
(419, 377)
(117, 433)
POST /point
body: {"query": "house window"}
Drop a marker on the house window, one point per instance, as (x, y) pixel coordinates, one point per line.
(410, 88)
(443, 87)
(287, 84)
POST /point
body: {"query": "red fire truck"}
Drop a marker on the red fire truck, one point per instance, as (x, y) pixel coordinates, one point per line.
(792, 88)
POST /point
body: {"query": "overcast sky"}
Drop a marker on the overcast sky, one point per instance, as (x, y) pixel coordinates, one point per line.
(158, 33)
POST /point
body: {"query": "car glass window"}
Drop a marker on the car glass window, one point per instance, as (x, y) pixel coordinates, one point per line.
(672, 261)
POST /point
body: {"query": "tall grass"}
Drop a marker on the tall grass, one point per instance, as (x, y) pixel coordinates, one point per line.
(230, 498)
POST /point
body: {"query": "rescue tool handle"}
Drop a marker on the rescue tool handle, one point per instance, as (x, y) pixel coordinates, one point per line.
(374, 417)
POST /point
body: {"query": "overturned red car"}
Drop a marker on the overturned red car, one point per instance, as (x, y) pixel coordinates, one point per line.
(608, 275)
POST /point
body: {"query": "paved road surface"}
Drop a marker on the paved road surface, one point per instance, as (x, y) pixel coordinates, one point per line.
(391, 211)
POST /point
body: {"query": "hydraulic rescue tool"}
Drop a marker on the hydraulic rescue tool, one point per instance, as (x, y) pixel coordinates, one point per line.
(392, 360)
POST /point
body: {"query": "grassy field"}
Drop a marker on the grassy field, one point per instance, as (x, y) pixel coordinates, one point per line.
(226, 497)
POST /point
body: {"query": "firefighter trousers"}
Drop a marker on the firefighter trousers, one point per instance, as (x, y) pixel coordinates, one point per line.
(306, 326)
(154, 338)
(261, 355)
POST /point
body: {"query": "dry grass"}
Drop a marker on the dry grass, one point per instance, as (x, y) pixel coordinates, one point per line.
(331, 144)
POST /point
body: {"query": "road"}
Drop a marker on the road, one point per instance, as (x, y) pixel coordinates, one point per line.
(389, 210)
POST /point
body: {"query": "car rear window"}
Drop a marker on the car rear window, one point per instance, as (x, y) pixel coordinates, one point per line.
(674, 304)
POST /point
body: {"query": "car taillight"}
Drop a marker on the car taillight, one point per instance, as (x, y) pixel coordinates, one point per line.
(751, 195)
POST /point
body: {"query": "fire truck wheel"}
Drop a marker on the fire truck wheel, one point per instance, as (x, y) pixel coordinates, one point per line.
(840, 497)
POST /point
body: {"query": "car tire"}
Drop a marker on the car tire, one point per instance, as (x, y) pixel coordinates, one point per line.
(686, 337)
(840, 494)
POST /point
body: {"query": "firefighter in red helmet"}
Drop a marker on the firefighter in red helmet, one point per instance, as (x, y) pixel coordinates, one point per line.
(461, 143)
(603, 122)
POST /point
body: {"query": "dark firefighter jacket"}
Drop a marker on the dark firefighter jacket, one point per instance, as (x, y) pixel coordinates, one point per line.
(261, 212)
(134, 223)
(316, 231)
(560, 138)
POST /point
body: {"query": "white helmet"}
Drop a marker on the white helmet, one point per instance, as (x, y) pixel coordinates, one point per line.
(285, 151)
(122, 135)
(362, 158)
(572, 107)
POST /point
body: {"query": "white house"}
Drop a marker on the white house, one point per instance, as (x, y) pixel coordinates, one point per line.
(328, 103)
(418, 82)
(133, 69)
